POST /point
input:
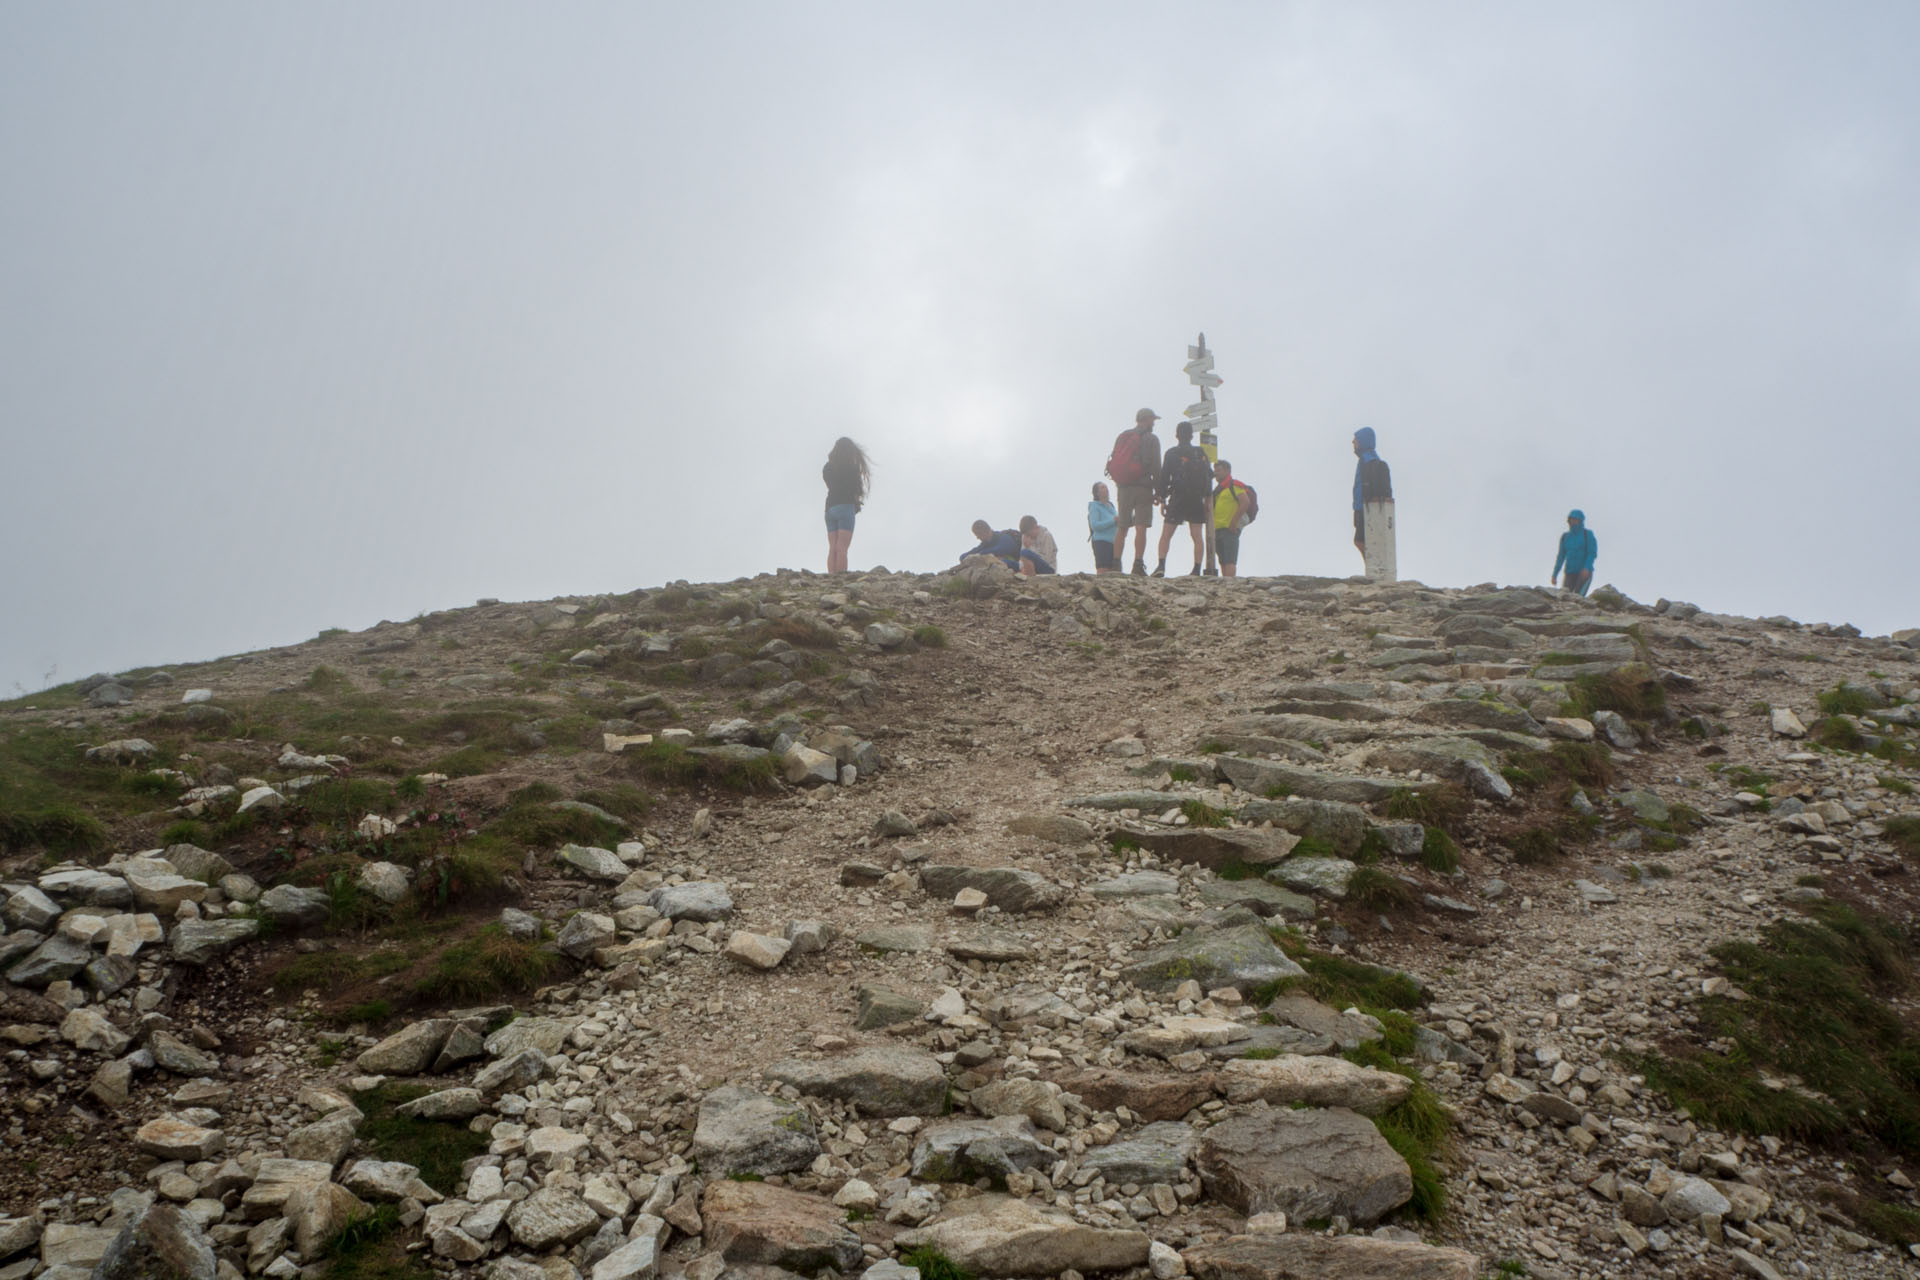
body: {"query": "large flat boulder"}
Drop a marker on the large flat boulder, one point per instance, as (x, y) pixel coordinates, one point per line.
(1000, 1236)
(1306, 1164)
(1053, 828)
(1302, 728)
(752, 1222)
(1460, 760)
(961, 1150)
(408, 1051)
(1262, 776)
(742, 1130)
(1219, 848)
(1315, 1081)
(197, 941)
(1245, 957)
(887, 1081)
(1303, 1256)
(1149, 1096)
(1008, 888)
(1342, 825)
(1155, 1153)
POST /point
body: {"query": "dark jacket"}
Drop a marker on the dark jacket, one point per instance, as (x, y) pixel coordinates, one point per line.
(1188, 463)
(1372, 479)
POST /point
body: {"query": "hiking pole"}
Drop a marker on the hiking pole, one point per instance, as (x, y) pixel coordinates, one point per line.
(1200, 373)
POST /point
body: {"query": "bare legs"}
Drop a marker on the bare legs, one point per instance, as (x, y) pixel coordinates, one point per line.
(838, 540)
(1199, 543)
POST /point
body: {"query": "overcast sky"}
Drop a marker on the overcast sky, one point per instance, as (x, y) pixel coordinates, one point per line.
(317, 314)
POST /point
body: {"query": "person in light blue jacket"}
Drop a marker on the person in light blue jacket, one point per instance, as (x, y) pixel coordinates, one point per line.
(1578, 550)
(1102, 525)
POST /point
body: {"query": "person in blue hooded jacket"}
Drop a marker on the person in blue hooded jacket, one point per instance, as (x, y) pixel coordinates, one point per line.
(1002, 544)
(1578, 550)
(1372, 482)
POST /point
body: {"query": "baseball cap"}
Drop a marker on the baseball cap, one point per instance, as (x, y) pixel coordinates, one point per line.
(1144, 415)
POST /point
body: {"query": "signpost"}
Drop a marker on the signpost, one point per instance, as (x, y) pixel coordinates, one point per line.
(1199, 369)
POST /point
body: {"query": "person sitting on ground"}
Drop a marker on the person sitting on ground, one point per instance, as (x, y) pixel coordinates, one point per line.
(1234, 507)
(1038, 551)
(1003, 544)
(1578, 550)
(1102, 526)
(1185, 477)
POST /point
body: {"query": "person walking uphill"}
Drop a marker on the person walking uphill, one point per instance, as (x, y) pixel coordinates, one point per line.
(1373, 518)
(1234, 506)
(846, 477)
(1578, 550)
(1185, 477)
(1135, 468)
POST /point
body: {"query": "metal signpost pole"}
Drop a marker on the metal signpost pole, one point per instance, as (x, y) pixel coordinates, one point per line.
(1200, 373)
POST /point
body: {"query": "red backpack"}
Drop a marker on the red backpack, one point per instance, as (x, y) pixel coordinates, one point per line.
(1124, 465)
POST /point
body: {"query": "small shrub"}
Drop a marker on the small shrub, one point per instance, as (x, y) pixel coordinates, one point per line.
(1278, 791)
(1182, 773)
(1633, 690)
(1535, 846)
(1123, 842)
(1438, 852)
(60, 829)
(434, 1147)
(1837, 733)
(373, 1011)
(930, 637)
(1903, 833)
(1314, 847)
(1379, 890)
(933, 1264)
(1844, 700)
(1201, 814)
(1440, 806)
(1898, 786)
(185, 831)
(487, 964)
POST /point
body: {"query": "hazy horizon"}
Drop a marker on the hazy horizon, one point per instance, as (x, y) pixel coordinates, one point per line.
(323, 315)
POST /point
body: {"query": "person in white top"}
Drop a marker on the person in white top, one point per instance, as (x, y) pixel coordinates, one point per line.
(1038, 551)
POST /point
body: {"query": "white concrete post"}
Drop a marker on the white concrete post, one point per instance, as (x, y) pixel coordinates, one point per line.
(1377, 524)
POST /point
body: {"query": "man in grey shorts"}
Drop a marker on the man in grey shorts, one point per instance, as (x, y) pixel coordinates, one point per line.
(1135, 467)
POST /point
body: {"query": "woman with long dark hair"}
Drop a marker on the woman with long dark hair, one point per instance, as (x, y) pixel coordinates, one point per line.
(846, 477)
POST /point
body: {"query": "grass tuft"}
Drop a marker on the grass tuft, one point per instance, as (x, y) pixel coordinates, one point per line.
(485, 965)
(435, 1147)
(933, 1264)
(1818, 1051)
(1379, 890)
(1201, 814)
(1438, 852)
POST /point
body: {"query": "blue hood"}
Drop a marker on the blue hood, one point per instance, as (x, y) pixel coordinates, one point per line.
(1577, 514)
(1364, 438)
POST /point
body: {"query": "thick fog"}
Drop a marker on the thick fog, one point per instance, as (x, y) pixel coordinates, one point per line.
(314, 315)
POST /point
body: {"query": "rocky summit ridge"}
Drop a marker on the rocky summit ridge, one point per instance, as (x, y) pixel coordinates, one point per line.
(908, 925)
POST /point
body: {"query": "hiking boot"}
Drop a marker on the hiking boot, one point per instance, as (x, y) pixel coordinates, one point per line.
(1139, 568)
(1159, 570)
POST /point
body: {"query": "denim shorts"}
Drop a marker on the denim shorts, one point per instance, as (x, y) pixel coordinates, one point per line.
(1226, 545)
(840, 517)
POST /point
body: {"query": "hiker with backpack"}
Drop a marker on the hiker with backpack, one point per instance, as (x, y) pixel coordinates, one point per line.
(1578, 550)
(1234, 506)
(1103, 524)
(1185, 478)
(1038, 551)
(846, 477)
(1002, 544)
(1134, 465)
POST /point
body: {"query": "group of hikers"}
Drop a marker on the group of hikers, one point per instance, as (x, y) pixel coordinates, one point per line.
(1188, 486)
